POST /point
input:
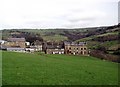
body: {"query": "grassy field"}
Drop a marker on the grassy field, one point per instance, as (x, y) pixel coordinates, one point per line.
(0, 68)
(37, 69)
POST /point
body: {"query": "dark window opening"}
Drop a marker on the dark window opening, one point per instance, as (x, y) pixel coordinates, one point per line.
(81, 52)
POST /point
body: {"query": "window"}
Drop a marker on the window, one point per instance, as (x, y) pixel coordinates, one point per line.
(81, 52)
(70, 48)
(81, 48)
(85, 52)
(77, 48)
(85, 48)
(76, 52)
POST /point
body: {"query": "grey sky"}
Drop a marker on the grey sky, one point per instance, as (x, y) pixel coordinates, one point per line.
(119, 12)
(57, 13)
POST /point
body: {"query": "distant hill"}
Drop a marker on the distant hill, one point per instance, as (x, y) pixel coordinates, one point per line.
(52, 34)
(104, 39)
(108, 39)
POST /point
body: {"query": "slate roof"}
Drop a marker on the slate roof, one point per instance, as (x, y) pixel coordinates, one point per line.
(76, 44)
(53, 47)
(16, 39)
(12, 48)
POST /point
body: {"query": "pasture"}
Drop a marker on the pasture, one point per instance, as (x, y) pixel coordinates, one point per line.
(42, 69)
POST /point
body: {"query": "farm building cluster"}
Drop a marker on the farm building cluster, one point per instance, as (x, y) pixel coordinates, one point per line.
(20, 45)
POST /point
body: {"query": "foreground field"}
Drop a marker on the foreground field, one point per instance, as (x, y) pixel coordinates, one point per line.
(36, 69)
(0, 68)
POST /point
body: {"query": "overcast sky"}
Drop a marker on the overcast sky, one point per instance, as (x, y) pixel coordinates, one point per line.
(57, 13)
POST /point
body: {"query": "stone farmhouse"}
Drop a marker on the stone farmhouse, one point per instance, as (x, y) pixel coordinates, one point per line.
(35, 46)
(68, 48)
(15, 42)
(20, 45)
(76, 48)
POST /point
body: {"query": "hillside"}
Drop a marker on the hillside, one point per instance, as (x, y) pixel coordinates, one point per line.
(104, 39)
(60, 34)
(49, 34)
(109, 40)
(37, 69)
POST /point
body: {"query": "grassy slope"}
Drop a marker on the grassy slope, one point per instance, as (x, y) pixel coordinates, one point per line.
(110, 33)
(94, 36)
(34, 69)
(46, 33)
(55, 38)
(94, 44)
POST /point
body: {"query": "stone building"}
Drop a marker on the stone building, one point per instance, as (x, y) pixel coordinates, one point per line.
(55, 51)
(38, 45)
(15, 42)
(16, 49)
(68, 48)
(53, 48)
(76, 48)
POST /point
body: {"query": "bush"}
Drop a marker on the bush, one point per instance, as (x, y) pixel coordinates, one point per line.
(102, 55)
(117, 52)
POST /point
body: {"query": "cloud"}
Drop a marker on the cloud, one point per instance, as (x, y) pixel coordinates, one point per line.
(119, 12)
(57, 13)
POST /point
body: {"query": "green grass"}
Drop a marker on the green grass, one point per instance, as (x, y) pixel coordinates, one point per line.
(55, 38)
(94, 36)
(0, 68)
(110, 33)
(36, 69)
(111, 44)
(114, 47)
(85, 39)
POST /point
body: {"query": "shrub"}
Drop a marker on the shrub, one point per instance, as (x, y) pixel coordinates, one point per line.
(100, 54)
